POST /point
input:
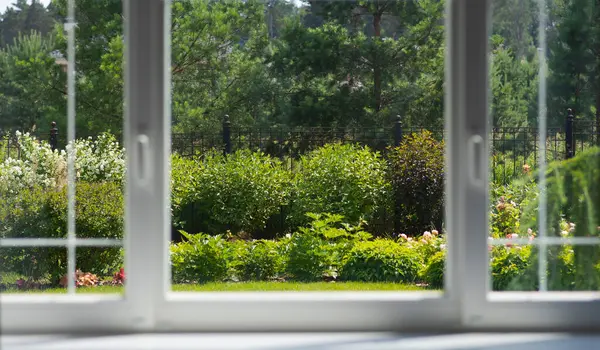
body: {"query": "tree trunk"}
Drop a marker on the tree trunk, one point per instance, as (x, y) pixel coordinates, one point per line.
(376, 64)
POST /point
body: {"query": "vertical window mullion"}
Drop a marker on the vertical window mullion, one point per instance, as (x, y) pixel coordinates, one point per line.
(467, 154)
(147, 135)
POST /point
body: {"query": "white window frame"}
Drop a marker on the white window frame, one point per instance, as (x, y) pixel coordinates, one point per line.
(148, 305)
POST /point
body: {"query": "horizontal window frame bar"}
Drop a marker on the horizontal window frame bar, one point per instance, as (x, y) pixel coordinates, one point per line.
(306, 312)
(59, 242)
(68, 313)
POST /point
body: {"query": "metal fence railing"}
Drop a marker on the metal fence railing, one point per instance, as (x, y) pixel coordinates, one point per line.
(511, 147)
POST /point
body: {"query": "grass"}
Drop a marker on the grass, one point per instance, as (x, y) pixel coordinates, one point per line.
(248, 287)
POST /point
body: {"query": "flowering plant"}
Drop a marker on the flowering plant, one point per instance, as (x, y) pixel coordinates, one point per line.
(95, 160)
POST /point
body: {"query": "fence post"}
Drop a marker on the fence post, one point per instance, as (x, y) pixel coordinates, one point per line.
(398, 131)
(226, 135)
(570, 149)
(53, 136)
(397, 199)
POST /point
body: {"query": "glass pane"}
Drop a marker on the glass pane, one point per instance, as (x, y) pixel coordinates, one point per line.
(307, 145)
(61, 95)
(515, 267)
(33, 270)
(545, 165)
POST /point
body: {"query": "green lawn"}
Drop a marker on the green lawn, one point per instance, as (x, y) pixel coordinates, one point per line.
(251, 287)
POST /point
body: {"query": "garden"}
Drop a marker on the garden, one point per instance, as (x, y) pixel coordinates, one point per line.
(246, 221)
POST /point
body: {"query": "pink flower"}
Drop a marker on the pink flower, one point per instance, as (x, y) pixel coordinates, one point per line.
(427, 235)
(434, 232)
(402, 235)
(512, 236)
(442, 246)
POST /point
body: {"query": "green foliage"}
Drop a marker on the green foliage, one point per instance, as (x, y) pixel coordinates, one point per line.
(42, 213)
(504, 218)
(574, 62)
(31, 83)
(429, 244)
(218, 68)
(381, 260)
(308, 259)
(417, 177)
(238, 192)
(23, 17)
(262, 261)
(512, 269)
(184, 172)
(433, 272)
(573, 193)
(340, 179)
(507, 204)
(318, 250)
(514, 87)
(200, 258)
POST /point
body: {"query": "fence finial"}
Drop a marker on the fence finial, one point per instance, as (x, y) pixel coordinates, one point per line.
(53, 136)
(398, 131)
(226, 135)
(569, 137)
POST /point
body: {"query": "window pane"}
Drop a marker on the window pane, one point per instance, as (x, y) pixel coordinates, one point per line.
(286, 169)
(33, 270)
(545, 157)
(61, 95)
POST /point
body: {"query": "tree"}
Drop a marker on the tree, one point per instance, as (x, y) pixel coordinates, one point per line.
(31, 93)
(363, 61)
(514, 87)
(575, 60)
(24, 18)
(408, 26)
(99, 57)
(517, 22)
(218, 48)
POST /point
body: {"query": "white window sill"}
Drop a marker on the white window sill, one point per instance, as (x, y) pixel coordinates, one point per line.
(325, 341)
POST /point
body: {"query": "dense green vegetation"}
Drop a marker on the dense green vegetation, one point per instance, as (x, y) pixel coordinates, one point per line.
(280, 63)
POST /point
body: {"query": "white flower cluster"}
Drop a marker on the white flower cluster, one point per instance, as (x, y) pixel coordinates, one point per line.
(95, 160)
(98, 160)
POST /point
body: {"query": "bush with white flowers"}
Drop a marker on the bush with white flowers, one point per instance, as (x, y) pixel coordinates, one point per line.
(95, 161)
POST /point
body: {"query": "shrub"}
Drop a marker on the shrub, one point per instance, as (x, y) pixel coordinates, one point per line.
(308, 259)
(262, 261)
(99, 160)
(42, 213)
(184, 173)
(426, 245)
(433, 272)
(200, 258)
(238, 192)
(507, 204)
(512, 269)
(417, 177)
(236, 252)
(317, 251)
(381, 260)
(340, 179)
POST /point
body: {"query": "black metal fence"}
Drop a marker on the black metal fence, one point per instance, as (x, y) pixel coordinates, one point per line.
(511, 147)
